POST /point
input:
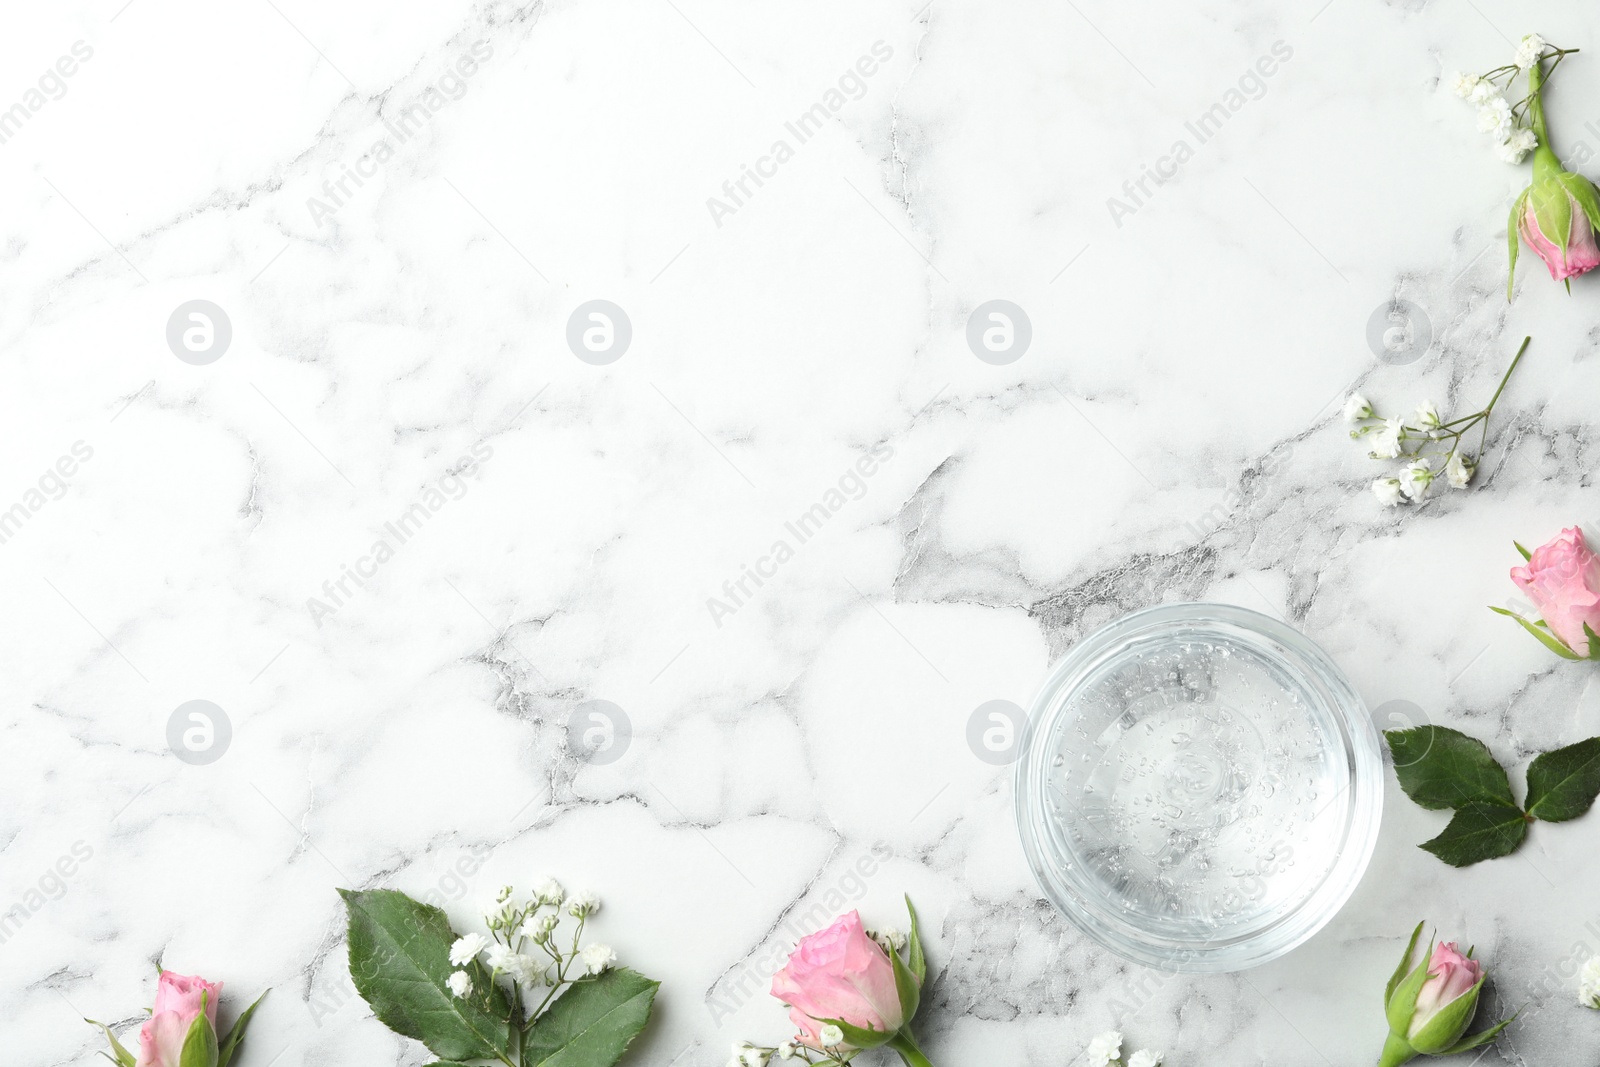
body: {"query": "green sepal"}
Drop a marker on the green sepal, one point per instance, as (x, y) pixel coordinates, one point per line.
(1512, 233)
(1526, 555)
(1452, 1020)
(200, 1043)
(919, 962)
(858, 1036)
(1467, 1044)
(230, 1044)
(1582, 190)
(1594, 641)
(1552, 207)
(1403, 1001)
(1547, 639)
(123, 1056)
(906, 1046)
(906, 986)
(1405, 965)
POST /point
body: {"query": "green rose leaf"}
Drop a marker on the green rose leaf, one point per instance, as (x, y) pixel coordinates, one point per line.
(1480, 830)
(1443, 768)
(1563, 784)
(592, 1023)
(399, 961)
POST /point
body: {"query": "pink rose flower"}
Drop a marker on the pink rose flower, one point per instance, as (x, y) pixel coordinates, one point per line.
(839, 973)
(178, 1002)
(1582, 254)
(1562, 579)
(1450, 976)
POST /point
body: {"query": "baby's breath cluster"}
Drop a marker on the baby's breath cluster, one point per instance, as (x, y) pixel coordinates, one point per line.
(1106, 1051)
(748, 1055)
(526, 947)
(1589, 984)
(1431, 447)
(1509, 123)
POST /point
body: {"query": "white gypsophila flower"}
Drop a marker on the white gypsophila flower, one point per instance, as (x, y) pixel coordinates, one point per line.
(1356, 408)
(1387, 490)
(831, 1035)
(499, 956)
(1426, 416)
(523, 969)
(466, 949)
(1415, 478)
(1386, 442)
(1589, 984)
(1105, 1048)
(1463, 84)
(583, 904)
(549, 891)
(1458, 472)
(597, 958)
(460, 983)
(1483, 92)
(1529, 50)
(1517, 146)
(786, 1050)
(755, 1057)
(1145, 1058)
(1494, 117)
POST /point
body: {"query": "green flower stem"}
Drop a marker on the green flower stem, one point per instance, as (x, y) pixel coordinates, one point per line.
(1484, 436)
(1396, 1050)
(906, 1045)
(1536, 102)
(1506, 377)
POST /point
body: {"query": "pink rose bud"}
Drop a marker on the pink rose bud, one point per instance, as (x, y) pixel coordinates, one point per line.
(1450, 977)
(1558, 214)
(1431, 1004)
(180, 999)
(1578, 253)
(1562, 579)
(839, 974)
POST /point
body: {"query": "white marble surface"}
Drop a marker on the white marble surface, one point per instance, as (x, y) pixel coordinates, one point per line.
(1185, 364)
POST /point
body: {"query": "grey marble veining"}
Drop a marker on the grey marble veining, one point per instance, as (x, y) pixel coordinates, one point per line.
(588, 531)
